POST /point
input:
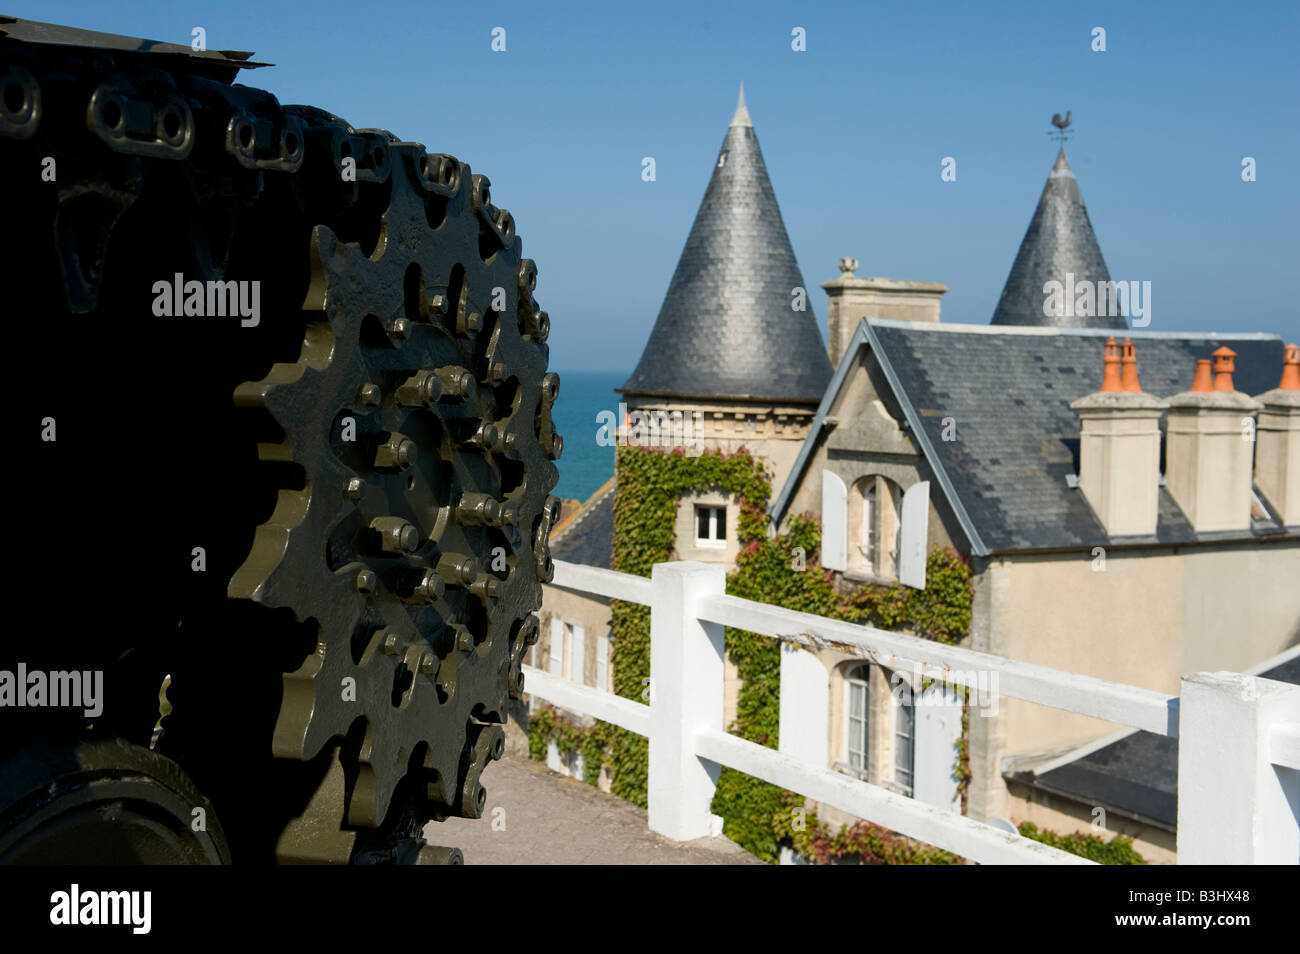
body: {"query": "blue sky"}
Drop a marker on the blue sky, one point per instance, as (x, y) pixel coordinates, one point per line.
(853, 131)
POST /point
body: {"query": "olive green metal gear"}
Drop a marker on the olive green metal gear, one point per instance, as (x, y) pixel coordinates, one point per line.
(418, 417)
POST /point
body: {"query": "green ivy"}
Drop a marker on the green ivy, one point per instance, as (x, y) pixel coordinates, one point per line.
(593, 742)
(1118, 851)
(862, 842)
(785, 571)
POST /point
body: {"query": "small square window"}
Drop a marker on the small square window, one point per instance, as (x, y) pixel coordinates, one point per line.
(710, 526)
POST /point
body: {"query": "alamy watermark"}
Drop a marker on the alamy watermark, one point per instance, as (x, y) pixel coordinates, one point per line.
(982, 686)
(1089, 299)
(195, 299)
(74, 907)
(651, 428)
(82, 689)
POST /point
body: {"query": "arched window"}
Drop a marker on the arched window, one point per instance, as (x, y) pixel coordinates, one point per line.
(857, 704)
(904, 742)
(875, 526)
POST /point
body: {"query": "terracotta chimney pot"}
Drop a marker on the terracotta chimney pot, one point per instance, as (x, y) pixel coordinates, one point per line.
(1290, 368)
(1223, 368)
(1110, 380)
(1201, 383)
(1129, 368)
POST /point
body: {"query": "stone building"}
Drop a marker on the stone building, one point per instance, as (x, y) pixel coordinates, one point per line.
(1130, 509)
(735, 359)
(1127, 527)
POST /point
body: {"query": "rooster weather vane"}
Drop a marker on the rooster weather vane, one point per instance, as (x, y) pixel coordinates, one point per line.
(1061, 134)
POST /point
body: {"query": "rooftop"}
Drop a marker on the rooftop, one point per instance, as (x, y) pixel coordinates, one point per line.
(728, 326)
(1059, 242)
(1007, 392)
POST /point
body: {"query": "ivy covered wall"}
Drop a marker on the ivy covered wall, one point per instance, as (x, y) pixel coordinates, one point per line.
(783, 570)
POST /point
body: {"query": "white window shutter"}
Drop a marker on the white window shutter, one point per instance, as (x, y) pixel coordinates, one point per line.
(834, 522)
(915, 532)
(557, 646)
(602, 661)
(578, 655)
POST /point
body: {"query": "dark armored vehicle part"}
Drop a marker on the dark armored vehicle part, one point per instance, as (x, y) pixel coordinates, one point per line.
(280, 501)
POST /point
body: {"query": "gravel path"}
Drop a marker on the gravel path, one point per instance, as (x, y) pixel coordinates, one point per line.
(550, 819)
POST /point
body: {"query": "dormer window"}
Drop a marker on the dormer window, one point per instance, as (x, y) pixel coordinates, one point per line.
(875, 527)
(710, 525)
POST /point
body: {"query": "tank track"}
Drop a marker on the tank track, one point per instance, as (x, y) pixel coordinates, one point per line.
(326, 522)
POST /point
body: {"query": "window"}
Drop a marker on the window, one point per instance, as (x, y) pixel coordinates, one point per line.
(577, 652)
(904, 741)
(710, 526)
(857, 701)
(568, 650)
(870, 524)
(876, 507)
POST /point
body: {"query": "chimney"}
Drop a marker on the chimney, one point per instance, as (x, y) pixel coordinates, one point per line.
(1209, 447)
(1277, 441)
(853, 298)
(1119, 447)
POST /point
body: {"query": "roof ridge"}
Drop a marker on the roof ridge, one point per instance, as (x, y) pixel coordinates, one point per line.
(1048, 331)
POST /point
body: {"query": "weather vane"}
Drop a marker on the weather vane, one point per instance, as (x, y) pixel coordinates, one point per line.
(1060, 124)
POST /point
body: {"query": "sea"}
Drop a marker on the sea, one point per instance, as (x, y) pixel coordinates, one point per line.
(584, 465)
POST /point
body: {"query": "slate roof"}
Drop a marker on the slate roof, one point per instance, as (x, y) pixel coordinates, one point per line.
(727, 327)
(588, 536)
(1008, 393)
(1136, 776)
(1059, 241)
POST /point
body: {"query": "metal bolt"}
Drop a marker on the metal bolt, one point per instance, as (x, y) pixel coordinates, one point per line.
(369, 395)
(429, 589)
(400, 328)
(352, 489)
(389, 644)
(508, 514)
(426, 663)
(473, 322)
(365, 581)
(456, 569)
(464, 639)
(396, 535)
(485, 586)
(486, 436)
(397, 453)
(437, 304)
(421, 388)
(477, 509)
(456, 382)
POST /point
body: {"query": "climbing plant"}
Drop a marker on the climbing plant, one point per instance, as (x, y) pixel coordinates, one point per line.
(782, 570)
(1118, 851)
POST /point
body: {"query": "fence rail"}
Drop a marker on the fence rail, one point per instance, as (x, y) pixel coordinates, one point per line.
(1239, 759)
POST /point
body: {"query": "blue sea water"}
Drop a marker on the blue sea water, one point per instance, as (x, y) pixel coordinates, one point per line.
(585, 465)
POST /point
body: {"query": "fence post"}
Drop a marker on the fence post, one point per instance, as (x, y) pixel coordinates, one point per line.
(1234, 805)
(805, 707)
(686, 678)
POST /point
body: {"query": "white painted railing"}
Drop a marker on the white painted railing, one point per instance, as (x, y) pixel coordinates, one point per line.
(1239, 760)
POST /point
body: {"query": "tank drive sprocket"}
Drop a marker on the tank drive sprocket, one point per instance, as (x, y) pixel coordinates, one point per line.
(418, 541)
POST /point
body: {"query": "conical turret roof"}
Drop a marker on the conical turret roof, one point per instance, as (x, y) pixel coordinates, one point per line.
(730, 324)
(1059, 243)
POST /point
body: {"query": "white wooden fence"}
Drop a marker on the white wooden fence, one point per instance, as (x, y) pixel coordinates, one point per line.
(1239, 736)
